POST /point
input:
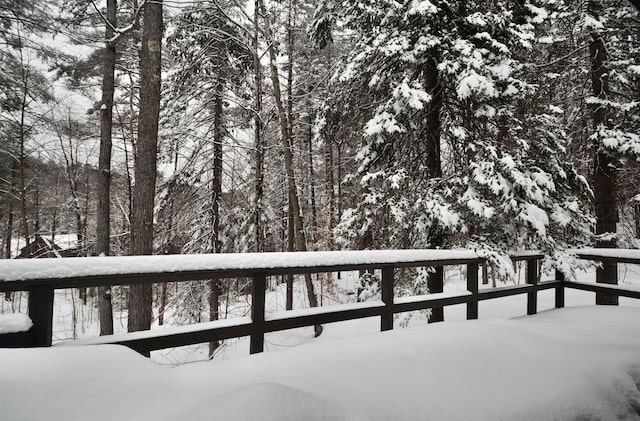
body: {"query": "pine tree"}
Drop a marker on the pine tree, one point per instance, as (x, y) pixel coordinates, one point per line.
(502, 184)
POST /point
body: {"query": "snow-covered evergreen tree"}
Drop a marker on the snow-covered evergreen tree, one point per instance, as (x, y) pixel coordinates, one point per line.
(504, 182)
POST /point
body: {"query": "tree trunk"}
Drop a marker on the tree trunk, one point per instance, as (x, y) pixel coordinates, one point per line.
(636, 218)
(258, 142)
(103, 210)
(10, 215)
(140, 299)
(604, 176)
(331, 196)
(216, 194)
(288, 158)
(22, 164)
(291, 232)
(312, 177)
(163, 303)
(435, 282)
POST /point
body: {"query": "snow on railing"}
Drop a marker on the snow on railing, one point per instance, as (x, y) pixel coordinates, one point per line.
(41, 277)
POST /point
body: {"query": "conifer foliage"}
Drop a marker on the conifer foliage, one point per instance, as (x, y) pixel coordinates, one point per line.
(503, 181)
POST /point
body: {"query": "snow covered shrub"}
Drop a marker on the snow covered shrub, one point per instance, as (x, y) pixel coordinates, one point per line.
(368, 287)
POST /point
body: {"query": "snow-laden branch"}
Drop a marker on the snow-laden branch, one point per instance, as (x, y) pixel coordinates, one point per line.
(120, 32)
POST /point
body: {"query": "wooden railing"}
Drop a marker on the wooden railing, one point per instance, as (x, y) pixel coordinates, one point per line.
(41, 277)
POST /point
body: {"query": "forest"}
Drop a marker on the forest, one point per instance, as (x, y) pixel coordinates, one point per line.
(224, 126)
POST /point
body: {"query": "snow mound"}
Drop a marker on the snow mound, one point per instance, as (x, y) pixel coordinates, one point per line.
(274, 402)
(579, 363)
(14, 322)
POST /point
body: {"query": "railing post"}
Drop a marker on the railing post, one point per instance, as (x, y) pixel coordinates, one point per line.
(435, 283)
(607, 274)
(41, 314)
(258, 291)
(386, 319)
(532, 279)
(560, 289)
(472, 287)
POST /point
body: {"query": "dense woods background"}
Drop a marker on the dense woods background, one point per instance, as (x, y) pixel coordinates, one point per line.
(144, 127)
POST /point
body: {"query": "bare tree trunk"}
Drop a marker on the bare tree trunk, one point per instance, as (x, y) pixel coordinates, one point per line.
(435, 282)
(331, 195)
(22, 163)
(9, 232)
(10, 215)
(258, 142)
(140, 296)
(288, 158)
(163, 303)
(216, 194)
(291, 232)
(312, 178)
(339, 200)
(604, 177)
(636, 218)
(103, 210)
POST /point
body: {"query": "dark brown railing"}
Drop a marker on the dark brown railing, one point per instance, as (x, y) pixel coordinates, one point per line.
(41, 277)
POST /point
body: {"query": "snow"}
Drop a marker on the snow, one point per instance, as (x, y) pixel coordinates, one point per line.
(574, 363)
(627, 255)
(161, 331)
(422, 7)
(14, 322)
(75, 267)
(323, 310)
(475, 84)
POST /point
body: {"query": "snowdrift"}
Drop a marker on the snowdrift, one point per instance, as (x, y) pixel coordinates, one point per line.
(580, 363)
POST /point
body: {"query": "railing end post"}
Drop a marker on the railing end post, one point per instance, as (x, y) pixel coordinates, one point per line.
(532, 279)
(386, 319)
(472, 287)
(258, 292)
(41, 314)
(560, 289)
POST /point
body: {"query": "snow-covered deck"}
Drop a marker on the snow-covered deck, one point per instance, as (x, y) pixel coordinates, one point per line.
(567, 364)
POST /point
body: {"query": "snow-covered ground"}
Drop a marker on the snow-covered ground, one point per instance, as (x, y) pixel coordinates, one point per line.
(579, 363)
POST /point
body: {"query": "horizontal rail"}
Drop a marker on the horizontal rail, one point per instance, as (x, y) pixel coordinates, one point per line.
(169, 337)
(603, 288)
(74, 272)
(500, 292)
(422, 302)
(607, 254)
(316, 316)
(42, 276)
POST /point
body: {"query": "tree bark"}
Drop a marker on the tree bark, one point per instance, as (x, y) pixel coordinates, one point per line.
(103, 211)
(22, 163)
(435, 282)
(604, 175)
(216, 194)
(140, 299)
(331, 196)
(312, 177)
(10, 211)
(258, 142)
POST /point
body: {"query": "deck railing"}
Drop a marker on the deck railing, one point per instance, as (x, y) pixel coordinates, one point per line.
(41, 277)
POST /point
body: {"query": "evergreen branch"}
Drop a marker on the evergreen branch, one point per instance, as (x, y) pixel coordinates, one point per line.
(120, 32)
(551, 63)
